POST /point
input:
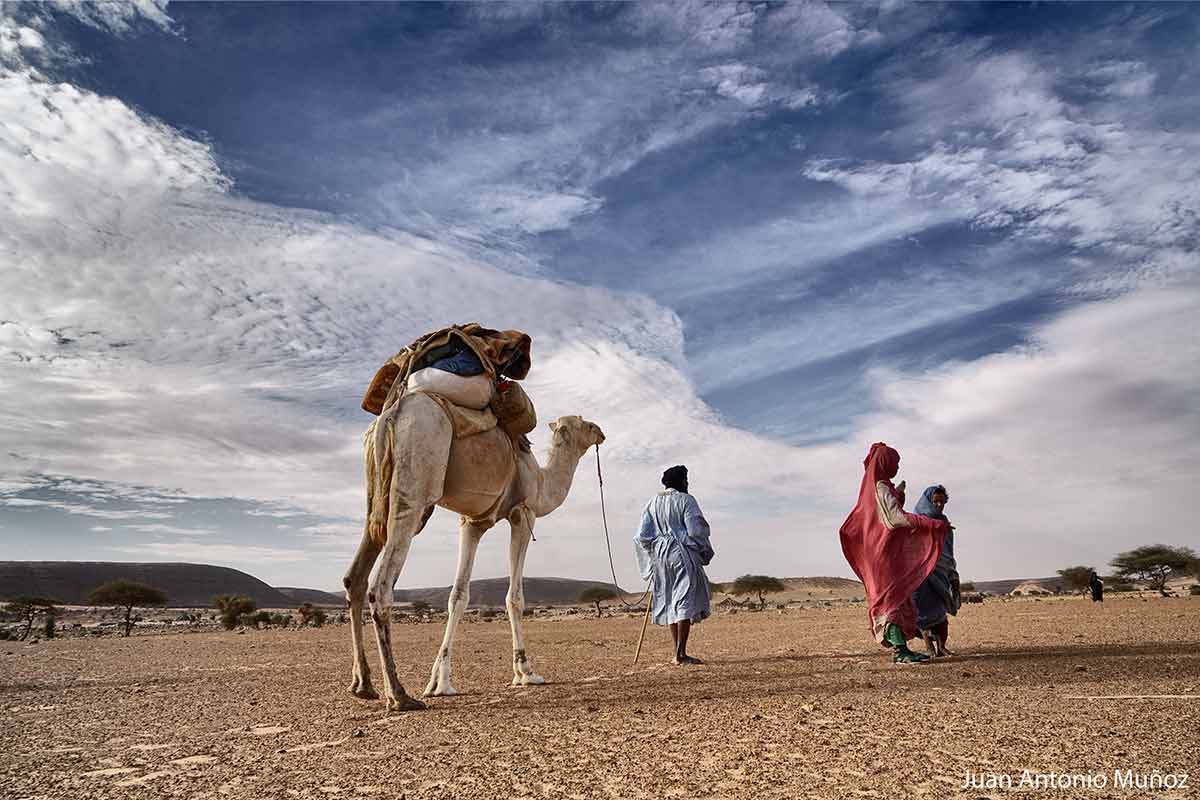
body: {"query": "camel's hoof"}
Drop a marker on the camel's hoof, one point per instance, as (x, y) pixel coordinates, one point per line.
(529, 680)
(363, 691)
(404, 703)
(433, 691)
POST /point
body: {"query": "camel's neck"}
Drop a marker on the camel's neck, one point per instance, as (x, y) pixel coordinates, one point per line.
(555, 479)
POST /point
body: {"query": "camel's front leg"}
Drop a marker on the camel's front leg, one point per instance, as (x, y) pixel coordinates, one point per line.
(394, 554)
(469, 535)
(521, 521)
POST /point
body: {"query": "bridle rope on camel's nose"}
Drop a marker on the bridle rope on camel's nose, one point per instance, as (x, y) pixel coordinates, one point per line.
(608, 542)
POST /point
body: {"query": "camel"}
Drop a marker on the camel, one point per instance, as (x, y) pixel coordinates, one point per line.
(484, 478)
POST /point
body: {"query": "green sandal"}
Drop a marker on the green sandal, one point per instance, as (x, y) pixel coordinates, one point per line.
(895, 637)
(905, 656)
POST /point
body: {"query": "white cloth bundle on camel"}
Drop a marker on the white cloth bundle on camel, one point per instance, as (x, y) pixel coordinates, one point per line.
(470, 392)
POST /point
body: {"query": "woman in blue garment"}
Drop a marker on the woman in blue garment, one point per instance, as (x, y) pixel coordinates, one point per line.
(939, 595)
(673, 548)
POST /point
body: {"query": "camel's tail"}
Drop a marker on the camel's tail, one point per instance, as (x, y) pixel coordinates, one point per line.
(378, 445)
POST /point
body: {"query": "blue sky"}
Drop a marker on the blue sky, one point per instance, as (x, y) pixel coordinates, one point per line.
(752, 238)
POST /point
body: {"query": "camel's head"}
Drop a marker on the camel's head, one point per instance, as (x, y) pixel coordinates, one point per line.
(576, 431)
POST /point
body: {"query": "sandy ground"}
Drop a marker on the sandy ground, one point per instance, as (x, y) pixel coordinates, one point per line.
(794, 704)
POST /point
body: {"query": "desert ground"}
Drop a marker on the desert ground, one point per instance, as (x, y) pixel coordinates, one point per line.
(791, 704)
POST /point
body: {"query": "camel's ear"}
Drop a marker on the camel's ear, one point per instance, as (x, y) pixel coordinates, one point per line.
(553, 426)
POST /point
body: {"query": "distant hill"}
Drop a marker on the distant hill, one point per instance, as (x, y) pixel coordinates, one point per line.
(491, 592)
(314, 596)
(186, 585)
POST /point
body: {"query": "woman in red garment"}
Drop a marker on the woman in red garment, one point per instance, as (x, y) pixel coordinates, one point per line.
(891, 551)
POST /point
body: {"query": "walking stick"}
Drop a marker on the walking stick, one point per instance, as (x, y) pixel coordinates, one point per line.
(645, 621)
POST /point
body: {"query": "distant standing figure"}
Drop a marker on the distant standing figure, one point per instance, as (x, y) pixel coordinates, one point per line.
(1097, 586)
(891, 551)
(673, 548)
(939, 595)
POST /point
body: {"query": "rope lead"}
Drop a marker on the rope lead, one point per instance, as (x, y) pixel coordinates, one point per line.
(608, 542)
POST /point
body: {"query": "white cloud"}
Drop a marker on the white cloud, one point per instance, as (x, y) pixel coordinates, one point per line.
(1123, 79)
(247, 557)
(272, 511)
(741, 82)
(531, 211)
(116, 16)
(1019, 156)
(81, 509)
(15, 37)
(539, 162)
(712, 27)
(160, 529)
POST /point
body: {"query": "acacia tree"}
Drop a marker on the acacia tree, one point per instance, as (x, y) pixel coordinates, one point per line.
(596, 595)
(762, 585)
(1076, 579)
(127, 594)
(232, 607)
(1154, 563)
(27, 609)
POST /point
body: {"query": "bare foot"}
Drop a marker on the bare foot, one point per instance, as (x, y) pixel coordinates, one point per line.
(684, 660)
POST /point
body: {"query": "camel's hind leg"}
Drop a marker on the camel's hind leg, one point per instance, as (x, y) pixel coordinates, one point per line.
(421, 449)
(356, 593)
(468, 544)
(521, 521)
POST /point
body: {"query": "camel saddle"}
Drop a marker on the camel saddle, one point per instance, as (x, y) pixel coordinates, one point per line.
(500, 352)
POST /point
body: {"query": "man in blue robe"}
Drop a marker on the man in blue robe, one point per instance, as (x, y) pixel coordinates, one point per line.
(673, 548)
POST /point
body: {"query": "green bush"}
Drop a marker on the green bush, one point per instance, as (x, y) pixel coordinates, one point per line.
(311, 615)
(232, 608)
(1194, 588)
